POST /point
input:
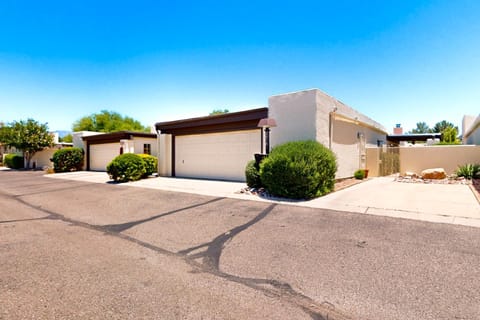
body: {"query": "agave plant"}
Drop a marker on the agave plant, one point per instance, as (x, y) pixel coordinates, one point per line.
(469, 171)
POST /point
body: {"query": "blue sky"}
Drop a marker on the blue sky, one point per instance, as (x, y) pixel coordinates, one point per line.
(395, 61)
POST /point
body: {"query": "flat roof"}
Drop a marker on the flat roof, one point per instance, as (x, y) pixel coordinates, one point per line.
(117, 136)
(413, 136)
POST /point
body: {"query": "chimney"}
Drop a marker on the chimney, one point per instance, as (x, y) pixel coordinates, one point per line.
(398, 129)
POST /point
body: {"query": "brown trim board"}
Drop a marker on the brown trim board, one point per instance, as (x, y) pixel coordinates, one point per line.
(116, 137)
(235, 121)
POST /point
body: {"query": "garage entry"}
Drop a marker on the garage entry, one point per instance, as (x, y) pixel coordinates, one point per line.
(212, 147)
(216, 155)
(102, 154)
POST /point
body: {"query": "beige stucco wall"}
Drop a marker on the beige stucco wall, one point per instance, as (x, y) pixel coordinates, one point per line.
(42, 158)
(373, 158)
(347, 145)
(164, 142)
(312, 114)
(138, 143)
(416, 159)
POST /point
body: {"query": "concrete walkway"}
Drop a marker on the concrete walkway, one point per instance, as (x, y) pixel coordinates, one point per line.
(453, 204)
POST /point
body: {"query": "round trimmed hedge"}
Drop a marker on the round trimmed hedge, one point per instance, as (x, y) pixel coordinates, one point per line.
(252, 175)
(13, 161)
(126, 167)
(68, 159)
(151, 164)
(299, 170)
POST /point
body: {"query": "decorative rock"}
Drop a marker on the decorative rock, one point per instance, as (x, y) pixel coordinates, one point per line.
(410, 174)
(434, 173)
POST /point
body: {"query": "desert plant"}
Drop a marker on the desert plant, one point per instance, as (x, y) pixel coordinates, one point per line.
(68, 159)
(252, 175)
(469, 171)
(126, 167)
(299, 170)
(150, 163)
(359, 174)
(13, 161)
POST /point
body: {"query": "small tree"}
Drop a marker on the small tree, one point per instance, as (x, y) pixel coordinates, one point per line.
(449, 135)
(422, 127)
(218, 111)
(66, 138)
(29, 136)
(108, 121)
(442, 125)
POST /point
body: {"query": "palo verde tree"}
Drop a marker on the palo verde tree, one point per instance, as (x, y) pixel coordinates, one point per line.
(29, 136)
(108, 121)
(448, 130)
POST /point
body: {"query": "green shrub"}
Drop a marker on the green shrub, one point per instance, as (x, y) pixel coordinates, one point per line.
(14, 161)
(150, 163)
(126, 167)
(469, 171)
(252, 175)
(299, 170)
(68, 159)
(359, 174)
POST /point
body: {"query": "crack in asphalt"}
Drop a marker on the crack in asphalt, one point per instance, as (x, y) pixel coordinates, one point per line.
(24, 220)
(127, 225)
(210, 258)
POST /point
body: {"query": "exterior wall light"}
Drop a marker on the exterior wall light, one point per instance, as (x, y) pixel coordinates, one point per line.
(266, 124)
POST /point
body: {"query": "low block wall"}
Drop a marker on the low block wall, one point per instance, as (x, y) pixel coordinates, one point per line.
(416, 159)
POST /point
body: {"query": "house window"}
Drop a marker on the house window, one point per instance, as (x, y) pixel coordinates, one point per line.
(147, 148)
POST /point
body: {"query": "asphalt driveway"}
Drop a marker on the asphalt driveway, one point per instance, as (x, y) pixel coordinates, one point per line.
(73, 249)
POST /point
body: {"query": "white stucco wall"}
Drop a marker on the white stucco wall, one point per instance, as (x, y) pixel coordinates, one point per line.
(77, 138)
(295, 114)
(42, 158)
(471, 130)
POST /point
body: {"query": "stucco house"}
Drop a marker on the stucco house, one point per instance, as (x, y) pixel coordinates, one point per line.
(101, 148)
(41, 159)
(313, 114)
(471, 130)
(218, 147)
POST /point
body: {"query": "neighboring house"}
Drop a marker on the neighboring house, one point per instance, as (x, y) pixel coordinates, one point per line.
(219, 147)
(312, 114)
(471, 130)
(101, 148)
(40, 159)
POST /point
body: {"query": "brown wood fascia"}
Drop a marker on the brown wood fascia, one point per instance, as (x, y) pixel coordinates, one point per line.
(236, 121)
(116, 137)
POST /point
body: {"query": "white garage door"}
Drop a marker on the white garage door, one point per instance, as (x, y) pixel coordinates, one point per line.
(102, 154)
(217, 155)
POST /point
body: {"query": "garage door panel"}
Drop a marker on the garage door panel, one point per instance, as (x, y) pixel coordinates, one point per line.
(102, 154)
(216, 156)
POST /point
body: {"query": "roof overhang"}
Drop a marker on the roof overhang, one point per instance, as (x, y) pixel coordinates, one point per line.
(116, 136)
(235, 121)
(413, 137)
